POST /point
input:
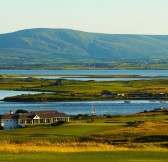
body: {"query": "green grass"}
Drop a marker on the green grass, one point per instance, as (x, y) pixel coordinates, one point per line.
(72, 90)
(154, 129)
(115, 156)
(85, 86)
(125, 128)
(68, 131)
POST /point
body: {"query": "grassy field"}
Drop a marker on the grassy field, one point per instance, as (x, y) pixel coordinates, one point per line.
(136, 130)
(72, 90)
(63, 132)
(137, 137)
(157, 85)
(112, 156)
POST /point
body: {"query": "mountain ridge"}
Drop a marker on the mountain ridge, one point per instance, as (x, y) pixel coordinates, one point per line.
(49, 46)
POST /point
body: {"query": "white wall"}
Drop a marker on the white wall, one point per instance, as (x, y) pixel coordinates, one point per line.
(9, 124)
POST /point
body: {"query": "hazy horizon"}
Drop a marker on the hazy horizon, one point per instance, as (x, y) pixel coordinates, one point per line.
(83, 31)
(103, 16)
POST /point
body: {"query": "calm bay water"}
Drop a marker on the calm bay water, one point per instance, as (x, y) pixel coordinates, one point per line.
(74, 108)
(89, 72)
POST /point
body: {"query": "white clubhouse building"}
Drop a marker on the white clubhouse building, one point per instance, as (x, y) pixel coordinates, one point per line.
(11, 121)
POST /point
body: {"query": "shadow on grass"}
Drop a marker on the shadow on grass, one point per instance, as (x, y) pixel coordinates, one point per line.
(152, 138)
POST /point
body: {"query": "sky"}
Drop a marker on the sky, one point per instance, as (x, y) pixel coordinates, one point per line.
(100, 16)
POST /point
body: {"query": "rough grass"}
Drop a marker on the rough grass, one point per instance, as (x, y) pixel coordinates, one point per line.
(74, 151)
(46, 146)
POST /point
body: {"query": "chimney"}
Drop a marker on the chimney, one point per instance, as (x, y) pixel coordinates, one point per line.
(11, 112)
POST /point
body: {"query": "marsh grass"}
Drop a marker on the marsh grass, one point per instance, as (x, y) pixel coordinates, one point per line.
(75, 152)
(46, 146)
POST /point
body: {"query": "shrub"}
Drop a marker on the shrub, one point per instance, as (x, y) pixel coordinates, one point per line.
(58, 123)
(21, 111)
(108, 116)
(1, 128)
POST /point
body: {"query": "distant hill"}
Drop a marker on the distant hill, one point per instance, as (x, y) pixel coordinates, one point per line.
(50, 46)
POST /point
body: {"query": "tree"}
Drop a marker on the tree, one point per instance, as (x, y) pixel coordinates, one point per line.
(21, 111)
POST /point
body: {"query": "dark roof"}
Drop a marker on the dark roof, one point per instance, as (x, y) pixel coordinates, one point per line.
(17, 116)
(26, 116)
(9, 116)
(51, 115)
(44, 112)
(41, 114)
